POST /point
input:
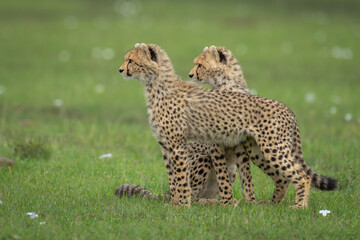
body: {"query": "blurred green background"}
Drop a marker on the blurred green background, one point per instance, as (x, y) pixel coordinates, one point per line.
(63, 104)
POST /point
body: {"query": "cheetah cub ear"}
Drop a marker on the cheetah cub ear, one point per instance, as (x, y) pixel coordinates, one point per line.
(149, 51)
(137, 45)
(205, 49)
(214, 52)
(218, 54)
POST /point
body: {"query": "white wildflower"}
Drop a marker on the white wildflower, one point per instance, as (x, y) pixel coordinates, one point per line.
(105, 53)
(108, 53)
(341, 53)
(310, 97)
(348, 117)
(1, 202)
(107, 155)
(42, 223)
(2, 89)
(324, 212)
(58, 102)
(253, 92)
(286, 47)
(127, 9)
(99, 88)
(32, 214)
(333, 110)
(64, 56)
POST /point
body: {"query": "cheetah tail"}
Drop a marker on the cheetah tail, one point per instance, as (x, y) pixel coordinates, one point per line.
(317, 180)
(323, 182)
(132, 190)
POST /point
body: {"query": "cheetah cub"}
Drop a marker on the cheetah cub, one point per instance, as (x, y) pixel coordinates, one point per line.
(219, 68)
(202, 174)
(180, 111)
(174, 111)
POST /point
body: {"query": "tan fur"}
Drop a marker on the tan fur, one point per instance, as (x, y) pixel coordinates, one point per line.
(166, 94)
(225, 73)
(202, 173)
(180, 111)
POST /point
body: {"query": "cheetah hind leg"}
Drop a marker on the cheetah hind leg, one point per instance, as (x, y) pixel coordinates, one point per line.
(280, 160)
(243, 165)
(252, 150)
(302, 187)
(281, 187)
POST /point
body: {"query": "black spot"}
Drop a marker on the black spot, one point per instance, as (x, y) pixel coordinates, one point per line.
(152, 54)
(222, 57)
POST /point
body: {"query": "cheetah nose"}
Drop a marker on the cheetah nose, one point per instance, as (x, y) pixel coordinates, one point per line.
(121, 70)
(191, 75)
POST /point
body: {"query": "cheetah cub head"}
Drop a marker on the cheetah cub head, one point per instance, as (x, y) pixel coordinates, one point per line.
(216, 66)
(144, 62)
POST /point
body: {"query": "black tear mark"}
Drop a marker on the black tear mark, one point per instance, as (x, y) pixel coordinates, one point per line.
(152, 54)
(222, 57)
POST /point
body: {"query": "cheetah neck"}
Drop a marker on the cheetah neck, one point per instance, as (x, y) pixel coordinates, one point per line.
(156, 89)
(233, 82)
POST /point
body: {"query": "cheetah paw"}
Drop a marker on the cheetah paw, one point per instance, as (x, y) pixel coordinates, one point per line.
(297, 207)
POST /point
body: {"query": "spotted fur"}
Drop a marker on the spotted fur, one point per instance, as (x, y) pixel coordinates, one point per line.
(168, 114)
(202, 174)
(181, 111)
(132, 190)
(219, 68)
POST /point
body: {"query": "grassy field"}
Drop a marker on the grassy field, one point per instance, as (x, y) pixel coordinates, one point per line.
(63, 104)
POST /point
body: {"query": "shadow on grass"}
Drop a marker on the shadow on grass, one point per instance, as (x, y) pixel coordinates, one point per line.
(36, 148)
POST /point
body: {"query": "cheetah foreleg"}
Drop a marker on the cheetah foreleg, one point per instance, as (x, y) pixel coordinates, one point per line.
(179, 159)
(170, 171)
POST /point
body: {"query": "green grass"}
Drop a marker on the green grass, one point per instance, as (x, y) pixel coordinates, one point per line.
(49, 51)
